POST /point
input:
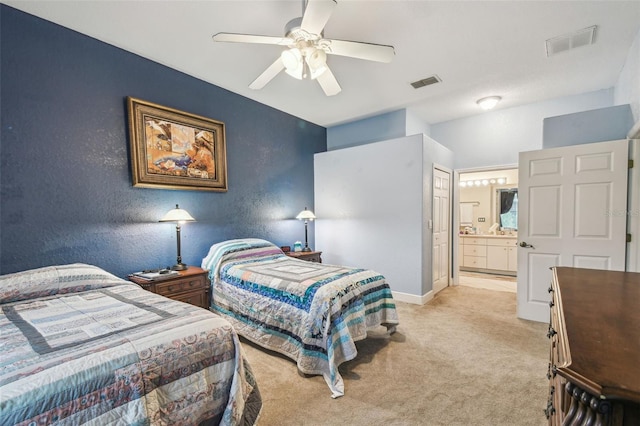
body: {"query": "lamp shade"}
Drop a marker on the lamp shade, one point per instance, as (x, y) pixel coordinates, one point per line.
(177, 215)
(306, 215)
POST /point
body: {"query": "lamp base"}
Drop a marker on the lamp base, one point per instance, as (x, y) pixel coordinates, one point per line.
(179, 267)
(306, 249)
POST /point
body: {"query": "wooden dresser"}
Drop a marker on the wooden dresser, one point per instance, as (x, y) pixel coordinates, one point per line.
(594, 368)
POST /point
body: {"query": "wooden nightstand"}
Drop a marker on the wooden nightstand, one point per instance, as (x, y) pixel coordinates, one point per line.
(310, 256)
(191, 286)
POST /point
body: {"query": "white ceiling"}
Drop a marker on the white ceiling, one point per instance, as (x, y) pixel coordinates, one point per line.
(477, 48)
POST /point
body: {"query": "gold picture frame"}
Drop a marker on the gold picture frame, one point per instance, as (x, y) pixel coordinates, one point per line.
(172, 149)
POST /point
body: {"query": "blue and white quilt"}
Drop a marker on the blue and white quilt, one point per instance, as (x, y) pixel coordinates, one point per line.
(81, 346)
(311, 312)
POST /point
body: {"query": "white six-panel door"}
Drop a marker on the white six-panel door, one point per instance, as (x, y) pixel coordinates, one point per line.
(441, 229)
(572, 212)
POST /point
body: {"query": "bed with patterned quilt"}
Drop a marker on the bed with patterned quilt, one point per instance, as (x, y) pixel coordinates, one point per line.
(82, 346)
(311, 312)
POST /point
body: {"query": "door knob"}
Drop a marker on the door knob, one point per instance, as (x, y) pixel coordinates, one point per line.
(525, 245)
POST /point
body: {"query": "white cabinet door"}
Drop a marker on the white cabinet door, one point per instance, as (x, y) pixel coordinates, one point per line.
(497, 258)
(513, 259)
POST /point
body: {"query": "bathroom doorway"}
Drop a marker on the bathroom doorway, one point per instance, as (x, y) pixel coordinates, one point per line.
(488, 227)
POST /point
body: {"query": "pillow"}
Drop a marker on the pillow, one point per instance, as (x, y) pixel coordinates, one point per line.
(233, 249)
(51, 280)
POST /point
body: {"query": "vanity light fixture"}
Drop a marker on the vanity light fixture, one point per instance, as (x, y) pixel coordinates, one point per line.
(488, 102)
(482, 182)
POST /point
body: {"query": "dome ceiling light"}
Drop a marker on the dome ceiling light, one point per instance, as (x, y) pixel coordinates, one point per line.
(488, 102)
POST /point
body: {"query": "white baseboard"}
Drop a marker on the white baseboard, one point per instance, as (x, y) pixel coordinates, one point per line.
(412, 298)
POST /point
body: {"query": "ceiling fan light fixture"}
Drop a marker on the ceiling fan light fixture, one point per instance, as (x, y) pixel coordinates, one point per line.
(317, 62)
(292, 60)
(308, 49)
(489, 102)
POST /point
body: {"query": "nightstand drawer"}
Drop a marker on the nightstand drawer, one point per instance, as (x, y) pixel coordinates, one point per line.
(179, 286)
(309, 256)
(190, 286)
(197, 298)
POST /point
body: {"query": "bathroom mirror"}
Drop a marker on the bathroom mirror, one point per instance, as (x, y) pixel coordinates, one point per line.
(506, 208)
(479, 189)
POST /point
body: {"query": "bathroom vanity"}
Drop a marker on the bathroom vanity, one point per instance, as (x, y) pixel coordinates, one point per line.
(489, 253)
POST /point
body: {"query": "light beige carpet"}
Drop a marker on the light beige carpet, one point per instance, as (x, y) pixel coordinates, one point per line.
(489, 281)
(461, 359)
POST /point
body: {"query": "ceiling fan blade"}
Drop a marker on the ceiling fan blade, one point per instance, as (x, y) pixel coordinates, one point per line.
(267, 75)
(250, 38)
(360, 50)
(316, 15)
(329, 83)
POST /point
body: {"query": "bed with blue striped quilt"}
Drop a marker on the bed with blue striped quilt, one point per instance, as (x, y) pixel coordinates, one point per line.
(311, 312)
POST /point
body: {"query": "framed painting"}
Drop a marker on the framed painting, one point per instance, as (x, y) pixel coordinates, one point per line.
(171, 149)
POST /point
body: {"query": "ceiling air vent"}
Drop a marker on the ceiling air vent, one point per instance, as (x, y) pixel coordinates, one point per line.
(570, 41)
(426, 82)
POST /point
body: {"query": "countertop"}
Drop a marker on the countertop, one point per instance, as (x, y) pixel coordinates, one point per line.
(489, 236)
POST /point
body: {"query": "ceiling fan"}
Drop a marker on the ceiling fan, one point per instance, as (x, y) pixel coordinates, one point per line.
(306, 56)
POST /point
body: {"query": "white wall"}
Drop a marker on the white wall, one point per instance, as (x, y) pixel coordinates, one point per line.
(368, 201)
(372, 202)
(495, 138)
(414, 125)
(627, 89)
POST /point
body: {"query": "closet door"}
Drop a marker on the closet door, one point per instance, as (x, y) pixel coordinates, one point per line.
(441, 229)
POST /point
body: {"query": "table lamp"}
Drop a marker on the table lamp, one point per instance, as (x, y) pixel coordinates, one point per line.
(179, 216)
(306, 215)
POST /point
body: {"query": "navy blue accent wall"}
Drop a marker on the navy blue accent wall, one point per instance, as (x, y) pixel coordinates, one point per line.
(65, 166)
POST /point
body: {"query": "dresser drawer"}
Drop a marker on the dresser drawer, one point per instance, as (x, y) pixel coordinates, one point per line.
(182, 285)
